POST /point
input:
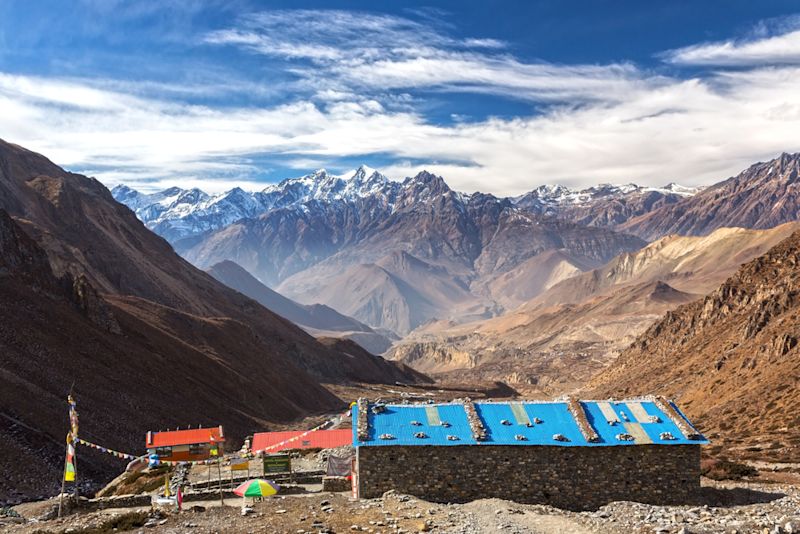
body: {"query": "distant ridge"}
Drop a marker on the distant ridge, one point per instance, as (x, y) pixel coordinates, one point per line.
(763, 196)
(317, 319)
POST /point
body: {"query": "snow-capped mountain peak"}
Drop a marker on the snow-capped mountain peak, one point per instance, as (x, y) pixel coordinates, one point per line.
(678, 189)
(176, 213)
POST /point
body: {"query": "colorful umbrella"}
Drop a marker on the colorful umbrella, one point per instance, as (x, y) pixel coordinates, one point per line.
(257, 488)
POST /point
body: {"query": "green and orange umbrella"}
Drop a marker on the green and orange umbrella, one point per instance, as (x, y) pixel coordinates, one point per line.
(257, 488)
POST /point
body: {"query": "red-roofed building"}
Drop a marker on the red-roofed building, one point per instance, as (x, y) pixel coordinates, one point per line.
(186, 445)
(319, 439)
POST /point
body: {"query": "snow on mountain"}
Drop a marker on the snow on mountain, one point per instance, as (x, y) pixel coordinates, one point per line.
(559, 195)
(180, 213)
(177, 213)
(601, 205)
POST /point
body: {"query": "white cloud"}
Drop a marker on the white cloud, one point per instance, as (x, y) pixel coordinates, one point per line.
(763, 48)
(504, 76)
(694, 131)
(366, 52)
(598, 123)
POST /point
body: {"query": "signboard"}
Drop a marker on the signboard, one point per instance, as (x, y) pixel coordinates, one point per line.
(240, 464)
(277, 463)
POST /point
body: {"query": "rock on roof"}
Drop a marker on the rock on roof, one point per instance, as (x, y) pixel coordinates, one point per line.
(568, 422)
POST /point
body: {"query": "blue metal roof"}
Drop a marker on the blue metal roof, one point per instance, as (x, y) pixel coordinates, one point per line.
(535, 422)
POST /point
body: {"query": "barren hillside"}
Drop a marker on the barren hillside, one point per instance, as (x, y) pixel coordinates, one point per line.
(731, 359)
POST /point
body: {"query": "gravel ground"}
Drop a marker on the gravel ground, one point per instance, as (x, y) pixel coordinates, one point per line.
(728, 508)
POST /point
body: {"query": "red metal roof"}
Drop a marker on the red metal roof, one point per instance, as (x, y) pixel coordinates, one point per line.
(319, 439)
(185, 437)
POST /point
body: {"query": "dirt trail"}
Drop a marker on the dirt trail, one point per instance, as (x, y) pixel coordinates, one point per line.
(493, 515)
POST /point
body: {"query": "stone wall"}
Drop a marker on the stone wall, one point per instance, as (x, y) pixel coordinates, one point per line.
(336, 484)
(576, 478)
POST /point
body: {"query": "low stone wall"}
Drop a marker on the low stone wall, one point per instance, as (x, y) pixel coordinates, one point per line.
(117, 501)
(336, 484)
(575, 478)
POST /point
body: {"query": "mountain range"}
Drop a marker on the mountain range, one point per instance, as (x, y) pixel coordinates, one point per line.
(397, 255)
(544, 291)
(177, 213)
(94, 303)
(393, 255)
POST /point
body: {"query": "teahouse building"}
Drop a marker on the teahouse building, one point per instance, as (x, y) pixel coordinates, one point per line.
(298, 439)
(186, 445)
(568, 453)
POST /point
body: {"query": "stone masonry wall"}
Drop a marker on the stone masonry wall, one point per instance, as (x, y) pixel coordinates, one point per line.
(575, 478)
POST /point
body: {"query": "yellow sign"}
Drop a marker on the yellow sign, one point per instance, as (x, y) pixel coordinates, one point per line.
(240, 464)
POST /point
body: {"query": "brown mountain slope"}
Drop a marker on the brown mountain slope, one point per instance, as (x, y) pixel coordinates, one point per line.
(765, 195)
(545, 353)
(690, 264)
(135, 365)
(89, 296)
(732, 359)
(316, 319)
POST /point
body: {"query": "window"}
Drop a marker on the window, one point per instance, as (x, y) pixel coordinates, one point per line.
(197, 448)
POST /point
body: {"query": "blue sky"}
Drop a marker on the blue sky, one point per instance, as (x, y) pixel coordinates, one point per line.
(498, 97)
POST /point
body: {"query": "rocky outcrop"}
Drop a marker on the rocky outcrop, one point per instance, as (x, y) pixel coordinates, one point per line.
(731, 358)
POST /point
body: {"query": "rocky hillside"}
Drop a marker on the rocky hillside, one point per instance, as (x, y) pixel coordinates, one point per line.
(558, 340)
(763, 196)
(125, 359)
(690, 264)
(543, 353)
(91, 299)
(732, 359)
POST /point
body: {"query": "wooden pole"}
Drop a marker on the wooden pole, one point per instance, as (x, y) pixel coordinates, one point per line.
(219, 474)
(75, 466)
(66, 456)
(63, 484)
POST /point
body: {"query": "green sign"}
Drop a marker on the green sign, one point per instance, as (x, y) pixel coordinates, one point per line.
(277, 463)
